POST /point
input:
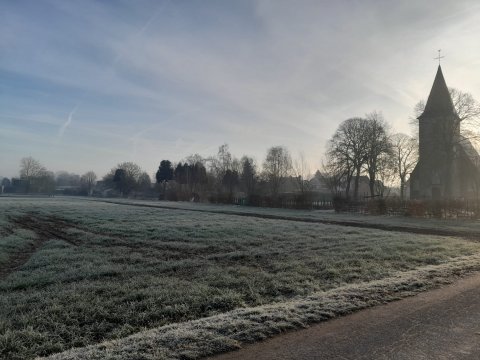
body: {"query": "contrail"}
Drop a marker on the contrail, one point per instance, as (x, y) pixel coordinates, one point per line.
(140, 32)
(67, 123)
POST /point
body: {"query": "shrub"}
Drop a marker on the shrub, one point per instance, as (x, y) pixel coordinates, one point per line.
(303, 201)
(437, 208)
(415, 208)
(396, 206)
(339, 203)
(254, 200)
(377, 207)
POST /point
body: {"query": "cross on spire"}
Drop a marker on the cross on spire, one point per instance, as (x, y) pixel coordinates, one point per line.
(439, 57)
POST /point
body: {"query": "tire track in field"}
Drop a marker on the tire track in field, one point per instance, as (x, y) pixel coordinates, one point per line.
(468, 235)
(46, 228)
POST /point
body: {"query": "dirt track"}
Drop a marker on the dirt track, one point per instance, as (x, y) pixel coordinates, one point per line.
(439, 324)
(45, 228)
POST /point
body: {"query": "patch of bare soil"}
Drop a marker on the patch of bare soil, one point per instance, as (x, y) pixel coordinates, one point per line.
(46, 228)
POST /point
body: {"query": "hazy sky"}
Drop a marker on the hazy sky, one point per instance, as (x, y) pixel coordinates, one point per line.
(88, 84)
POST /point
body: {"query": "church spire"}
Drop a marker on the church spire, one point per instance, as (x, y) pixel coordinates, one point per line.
(439, 102)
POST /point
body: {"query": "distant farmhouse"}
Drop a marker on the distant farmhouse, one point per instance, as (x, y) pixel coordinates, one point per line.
(448, 166)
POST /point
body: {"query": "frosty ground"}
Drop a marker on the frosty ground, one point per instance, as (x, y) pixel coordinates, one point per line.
(164, 280)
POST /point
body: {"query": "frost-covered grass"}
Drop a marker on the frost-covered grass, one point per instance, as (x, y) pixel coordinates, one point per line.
(12, 239)
(459, 227)
(126, 269)
(228, 331)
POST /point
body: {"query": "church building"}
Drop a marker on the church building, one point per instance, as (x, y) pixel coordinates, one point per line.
(448, 165)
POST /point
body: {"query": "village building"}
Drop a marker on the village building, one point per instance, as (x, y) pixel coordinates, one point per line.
(448, 166)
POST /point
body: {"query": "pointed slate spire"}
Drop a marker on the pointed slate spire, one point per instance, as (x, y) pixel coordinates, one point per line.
(439, 102)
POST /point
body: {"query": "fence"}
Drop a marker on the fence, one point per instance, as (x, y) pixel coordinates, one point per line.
(298, 202)
(440, 209)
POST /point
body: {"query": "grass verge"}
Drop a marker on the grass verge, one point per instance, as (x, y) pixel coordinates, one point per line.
(228, 331)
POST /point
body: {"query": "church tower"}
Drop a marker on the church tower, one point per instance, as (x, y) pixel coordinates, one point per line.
(434, 177)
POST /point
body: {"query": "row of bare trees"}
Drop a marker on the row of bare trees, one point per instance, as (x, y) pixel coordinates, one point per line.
(364, 146)
(35, 178)
(222, 176)
(361, 146)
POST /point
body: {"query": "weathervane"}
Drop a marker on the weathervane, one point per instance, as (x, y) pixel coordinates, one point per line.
(439, 57)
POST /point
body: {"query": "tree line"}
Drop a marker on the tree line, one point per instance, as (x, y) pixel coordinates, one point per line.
(221, 177)
(361, 148)
(35, 178)
(217, 178)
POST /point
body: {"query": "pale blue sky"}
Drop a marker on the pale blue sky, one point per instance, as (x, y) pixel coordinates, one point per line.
(88, 84)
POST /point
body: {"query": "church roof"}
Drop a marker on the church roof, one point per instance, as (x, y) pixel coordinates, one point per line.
(470, 150)
(439, 101)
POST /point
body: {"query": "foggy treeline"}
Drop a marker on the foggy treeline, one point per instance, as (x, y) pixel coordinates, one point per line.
(363, 159)
(219, 178)
(226, 178)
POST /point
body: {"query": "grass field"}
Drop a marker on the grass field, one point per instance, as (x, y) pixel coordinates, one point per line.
(77, 272)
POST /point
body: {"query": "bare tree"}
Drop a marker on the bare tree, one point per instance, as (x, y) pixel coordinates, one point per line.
(348, 150)
(248, 177)
(405, 150)
(301, 172)
(30, 168)
(197, 177)
(276, 167)
(219, 165)
(236, 165)
(44, 182)
(124, 177)
(132, 170)
(334, 175)
(378, 148)
(64, 178)
(386, 173)
(467, 110)
(222, 162)
(195, 159)
(88, 181)
(144, 183)
(230, 180)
